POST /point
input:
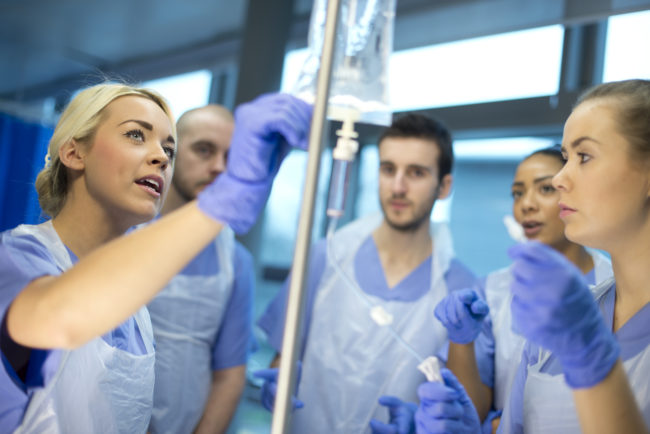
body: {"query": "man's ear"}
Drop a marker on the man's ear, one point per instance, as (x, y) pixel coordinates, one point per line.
(72, 155)
(444, 189)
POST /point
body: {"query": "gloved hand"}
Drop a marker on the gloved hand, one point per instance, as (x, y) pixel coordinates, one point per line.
(553, 307)
(270, 387)
(265, 130)
(462, 313)
(401, 417)
(445, 408)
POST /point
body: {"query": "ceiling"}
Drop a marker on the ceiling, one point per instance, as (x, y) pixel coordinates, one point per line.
(44, 41)
(44, 44)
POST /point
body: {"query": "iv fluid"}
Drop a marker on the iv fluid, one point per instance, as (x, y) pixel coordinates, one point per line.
(364, 39)
(338, 188)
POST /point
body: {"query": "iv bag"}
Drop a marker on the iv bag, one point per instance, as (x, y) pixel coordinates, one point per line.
(363, 43)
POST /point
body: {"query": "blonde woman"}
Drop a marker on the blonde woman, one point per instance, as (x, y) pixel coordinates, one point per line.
(76, 341)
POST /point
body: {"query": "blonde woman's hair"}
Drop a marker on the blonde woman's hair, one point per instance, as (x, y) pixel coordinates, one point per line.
(80, 121)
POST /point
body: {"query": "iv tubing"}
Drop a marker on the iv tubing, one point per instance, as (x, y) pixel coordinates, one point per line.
(358, 291)
(281, 422)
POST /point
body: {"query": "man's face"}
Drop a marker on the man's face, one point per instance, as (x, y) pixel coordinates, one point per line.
(408, 181)
(202, 152)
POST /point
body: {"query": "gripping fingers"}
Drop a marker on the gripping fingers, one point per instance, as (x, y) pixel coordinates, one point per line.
(434, 391)
(296, 403)
(390, 401)
(290, 117)
(451, 381)
(480, 308)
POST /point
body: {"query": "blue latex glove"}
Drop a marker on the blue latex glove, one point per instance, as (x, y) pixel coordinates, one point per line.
(270, 387)
(462, 313)
(265, 130)
(401, 417)
(553, 307)
(445, 408)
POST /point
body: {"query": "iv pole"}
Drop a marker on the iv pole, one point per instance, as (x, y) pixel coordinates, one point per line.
(293, 323)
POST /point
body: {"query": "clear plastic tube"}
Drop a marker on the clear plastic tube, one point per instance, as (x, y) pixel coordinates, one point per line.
(331, 227)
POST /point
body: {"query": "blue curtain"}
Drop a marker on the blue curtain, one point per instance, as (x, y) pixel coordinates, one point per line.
(22, 151)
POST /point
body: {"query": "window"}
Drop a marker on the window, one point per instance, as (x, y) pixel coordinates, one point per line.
(184, 91)
(492, 68)
(293, 62)
(511, 149)
(483, 175)
(627, 47)
(282, 211)
(499, 67)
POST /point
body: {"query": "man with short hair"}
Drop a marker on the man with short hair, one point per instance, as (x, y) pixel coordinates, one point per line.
(202, 320)
(399, 261)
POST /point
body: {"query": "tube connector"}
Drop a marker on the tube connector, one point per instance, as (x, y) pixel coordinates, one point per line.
(346, 145)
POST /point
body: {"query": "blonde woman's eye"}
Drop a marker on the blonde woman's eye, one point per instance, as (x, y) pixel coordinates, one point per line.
(136, 134)
(170, 151)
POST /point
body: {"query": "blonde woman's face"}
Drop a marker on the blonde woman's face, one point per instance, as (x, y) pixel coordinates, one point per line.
(535, 200)
(128, 166)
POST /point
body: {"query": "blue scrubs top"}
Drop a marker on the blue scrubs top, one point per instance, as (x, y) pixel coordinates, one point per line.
(633, 338)
(370, 277)
(22, 260)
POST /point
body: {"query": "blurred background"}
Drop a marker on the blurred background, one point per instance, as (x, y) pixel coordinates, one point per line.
(502, 74)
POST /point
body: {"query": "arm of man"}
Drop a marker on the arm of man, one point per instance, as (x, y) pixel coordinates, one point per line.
(226, 390)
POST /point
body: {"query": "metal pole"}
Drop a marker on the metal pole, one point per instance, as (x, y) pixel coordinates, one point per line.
(295, 303)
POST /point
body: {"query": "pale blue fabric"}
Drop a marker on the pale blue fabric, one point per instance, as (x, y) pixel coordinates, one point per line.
(23, 259)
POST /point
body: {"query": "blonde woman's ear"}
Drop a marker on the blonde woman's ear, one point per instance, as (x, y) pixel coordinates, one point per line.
(72, 155)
